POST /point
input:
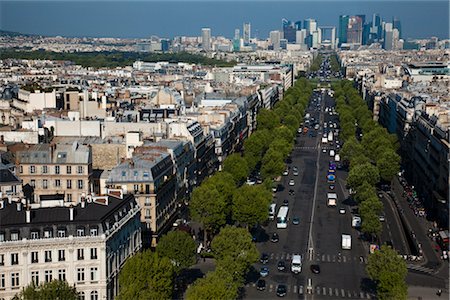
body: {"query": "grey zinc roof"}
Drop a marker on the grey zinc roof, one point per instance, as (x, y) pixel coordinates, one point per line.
(62, 154)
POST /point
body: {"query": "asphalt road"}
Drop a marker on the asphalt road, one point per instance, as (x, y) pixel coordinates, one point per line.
(342, 271)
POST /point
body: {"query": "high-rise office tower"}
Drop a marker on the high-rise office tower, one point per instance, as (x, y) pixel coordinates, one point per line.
(237, 40)
(388, 36)
(397, 25)
(310, 25)
(275, 38)
(342, 29)
(237, 34)
(289, 30)
(376, 29)
(300, 36)
(366, 34)
(206, 39)
(247, 33)
(354, 30)
(298, 25)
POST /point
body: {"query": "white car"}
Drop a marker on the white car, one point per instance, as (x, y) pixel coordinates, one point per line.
(291, 182)
(342, 210)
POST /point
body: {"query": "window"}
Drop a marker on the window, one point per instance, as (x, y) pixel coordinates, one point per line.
(48, 255)
(45, 184)
(33, 183)
(69, 169)
(147, 201)
(57, 171)
(94, 295)
(21, 169)
(48, 275)
(124, 173)
(14, 258)
(34, 257)
(80, 254)
(62, 274)
(147, 213)
(136, 188)
(2, 281)
(135, 173)
(2, 259)
(61, 255)
(93, 253)
(35, 277)
(80, 169)
(94, 231)
(61, 233)
(48, 233)
(14, 279)
(57, 183)
(146, 174)
(80, 184)
(14, 236)
(69, 197)
(69, 184)
(44, 169)
(2, 237)
(32, 169)
(94, 274)
(80, 274)
(34, 235)
(80, 231)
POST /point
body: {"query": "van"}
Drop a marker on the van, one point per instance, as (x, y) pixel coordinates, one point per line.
(346, 242)
(296, 266)
(332, 153)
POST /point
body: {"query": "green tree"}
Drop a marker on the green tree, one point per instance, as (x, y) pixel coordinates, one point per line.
(291, 122)
(284, 133)
(363, 173)
(236, 243)
(179, 247)
(389, 164)
(256, 146)
(208, 207)
(351, 149)
(212, 287)
(52, 290)
(281, 145)
(272, 164)
(224, 183)
(237, 167)
(364, 192)
(371, 223)
(359, 159)
(388, 270)
(267, 119)
(250, 205)
(146, 275)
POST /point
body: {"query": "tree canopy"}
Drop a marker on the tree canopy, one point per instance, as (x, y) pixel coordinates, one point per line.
(250, 204)
(146, 275)
(53, 290)
(363, 173)
(179, 247)
(212, 287)
(237, 167)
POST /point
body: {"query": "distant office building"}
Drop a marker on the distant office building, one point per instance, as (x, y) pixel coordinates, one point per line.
(342, 28)
(354, 30)
(247, 33)
(376, 30)
(206, 39)
(298, 25)
(397, 25)
(300, 36)
(237, 40)
(310, 25)
(289, 31)
(388, 37)
(237, 34)
(366, 34)
(275, 38)
(327, 36)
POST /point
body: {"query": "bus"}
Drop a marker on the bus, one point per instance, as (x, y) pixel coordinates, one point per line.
(272, 210)
(282, 217)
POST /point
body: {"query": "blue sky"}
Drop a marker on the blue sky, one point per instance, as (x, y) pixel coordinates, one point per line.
(185, 17)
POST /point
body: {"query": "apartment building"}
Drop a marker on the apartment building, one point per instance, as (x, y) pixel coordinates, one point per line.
(56, 169)
(85, 244)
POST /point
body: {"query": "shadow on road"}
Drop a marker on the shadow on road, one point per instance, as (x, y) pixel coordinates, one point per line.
(367, 285)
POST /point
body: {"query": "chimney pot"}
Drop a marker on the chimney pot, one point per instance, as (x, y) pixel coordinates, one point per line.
(83, 203)
(71, 213)
(19, 206)
(28, 215)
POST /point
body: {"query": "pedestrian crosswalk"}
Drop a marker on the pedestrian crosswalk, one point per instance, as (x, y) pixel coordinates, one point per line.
(420, 269)
(305, 148)
(318, 290)
(319, 257)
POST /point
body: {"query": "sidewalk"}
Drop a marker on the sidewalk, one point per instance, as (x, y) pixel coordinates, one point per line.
(425, 293)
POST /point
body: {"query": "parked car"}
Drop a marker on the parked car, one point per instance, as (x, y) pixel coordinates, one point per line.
(264, 259)
(264, 272)
(291, 182)
(261, 285)
(275, 238)
(281, 266)
(295, 220)
(281, 290)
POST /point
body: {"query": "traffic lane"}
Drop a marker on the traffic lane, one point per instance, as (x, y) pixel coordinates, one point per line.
(392, 229)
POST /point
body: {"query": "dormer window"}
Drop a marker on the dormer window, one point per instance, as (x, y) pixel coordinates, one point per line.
(80, 231)
(94, 231)
(14, 236)
(61, 233)
(34, 235)
(48, 233)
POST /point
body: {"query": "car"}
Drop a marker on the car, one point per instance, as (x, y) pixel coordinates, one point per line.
(315, 269)
(291, 192)
(261, 285)
(281, 266)
(295, 172)
(291, 182)
(275, 238)
(264, 259)
(274, 189)
(285, 172)
(342, 210)
(295, 220)
(285, 202)
(332, 186)
(281, 290)
(324, 150)
(264, 272)
(382, 218)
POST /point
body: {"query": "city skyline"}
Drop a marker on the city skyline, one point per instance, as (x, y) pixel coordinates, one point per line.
(128, 21)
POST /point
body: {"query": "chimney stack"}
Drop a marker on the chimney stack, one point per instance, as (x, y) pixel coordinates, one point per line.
(83, 203)
(19, 206)
(71, 212)
(28, 215)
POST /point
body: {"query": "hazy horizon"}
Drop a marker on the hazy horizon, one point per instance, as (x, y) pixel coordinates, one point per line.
(142, 19)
